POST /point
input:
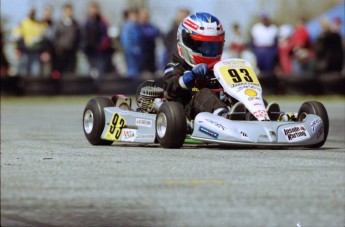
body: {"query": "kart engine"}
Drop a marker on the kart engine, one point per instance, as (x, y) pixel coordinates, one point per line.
(147, 96)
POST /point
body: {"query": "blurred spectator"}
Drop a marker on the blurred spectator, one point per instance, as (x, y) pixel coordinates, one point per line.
(170, 39)
(4, 65)
(237, 41)
(301, 54)
(329, 50)
(96, 42)
(336, 25)
(336, 28)
(149, 35)
(48, 57)
(285, 48)
(31, 42)
(131, 40)
(67, 37)
(264, 35)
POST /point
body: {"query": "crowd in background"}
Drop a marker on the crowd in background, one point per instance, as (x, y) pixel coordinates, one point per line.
(48, 47)
(287, 49)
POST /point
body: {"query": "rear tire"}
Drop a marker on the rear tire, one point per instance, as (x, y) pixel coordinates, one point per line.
(94, 120)
(317, 108)
(171, 125)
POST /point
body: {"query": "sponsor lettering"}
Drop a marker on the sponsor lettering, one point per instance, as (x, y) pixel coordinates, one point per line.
(253, 98)
(296, 133)
(320, 132)
(260, 113)
(138, 114)
(236, 64)
(238, 85)
(240, 88)
(252, 86)
(315, 123)
(244, 136)
(128, 135)
(143, 122)
(145, 136)
(216, 124)
(208, 132)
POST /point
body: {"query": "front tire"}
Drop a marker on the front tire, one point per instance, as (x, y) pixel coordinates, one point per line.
(171, 125)
(317, 108)
(94, 120)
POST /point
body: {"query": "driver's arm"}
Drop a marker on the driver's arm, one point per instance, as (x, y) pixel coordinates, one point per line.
(172, 74)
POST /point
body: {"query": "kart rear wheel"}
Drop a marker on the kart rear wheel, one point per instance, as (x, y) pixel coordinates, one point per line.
(317, 108)
(171, 125)
(94, 120)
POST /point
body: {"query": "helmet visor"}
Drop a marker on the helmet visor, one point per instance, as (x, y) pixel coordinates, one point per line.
(208, 49)
(205, 48)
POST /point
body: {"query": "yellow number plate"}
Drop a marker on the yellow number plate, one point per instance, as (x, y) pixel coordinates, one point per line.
(117, 123)
(238, 75)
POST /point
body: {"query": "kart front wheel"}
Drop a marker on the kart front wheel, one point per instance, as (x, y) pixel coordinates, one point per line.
(171, 125)
(317, 108)
(94, 120)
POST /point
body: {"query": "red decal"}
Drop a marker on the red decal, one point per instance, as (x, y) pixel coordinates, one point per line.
(208, 38)
(260, 113)
(191, 24)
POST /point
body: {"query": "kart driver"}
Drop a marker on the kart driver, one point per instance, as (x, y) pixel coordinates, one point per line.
(187, 80)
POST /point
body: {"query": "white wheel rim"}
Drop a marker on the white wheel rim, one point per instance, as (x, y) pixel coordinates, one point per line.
(88, 121)
(161, 125)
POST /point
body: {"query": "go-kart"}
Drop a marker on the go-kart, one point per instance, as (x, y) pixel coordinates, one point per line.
(154, 119)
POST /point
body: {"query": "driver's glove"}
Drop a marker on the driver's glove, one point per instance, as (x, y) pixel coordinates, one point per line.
(198, 72)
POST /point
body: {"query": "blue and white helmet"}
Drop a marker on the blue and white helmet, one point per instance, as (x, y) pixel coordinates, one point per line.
(200, 39)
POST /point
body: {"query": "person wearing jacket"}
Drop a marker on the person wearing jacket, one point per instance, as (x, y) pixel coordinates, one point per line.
(30, 44)
(67, 37)
(149, 35)
(96, 42)
(131, 40)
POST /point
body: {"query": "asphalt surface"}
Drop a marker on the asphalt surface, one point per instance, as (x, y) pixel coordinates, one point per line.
(51, 176)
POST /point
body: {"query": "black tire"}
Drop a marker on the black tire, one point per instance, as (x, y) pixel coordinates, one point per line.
(96, 107)
(317, 108)
(176, 125)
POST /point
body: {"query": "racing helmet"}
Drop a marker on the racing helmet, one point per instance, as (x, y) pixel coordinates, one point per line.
(200, 39)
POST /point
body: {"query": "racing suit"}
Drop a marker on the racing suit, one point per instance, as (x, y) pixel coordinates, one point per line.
(199, 98)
